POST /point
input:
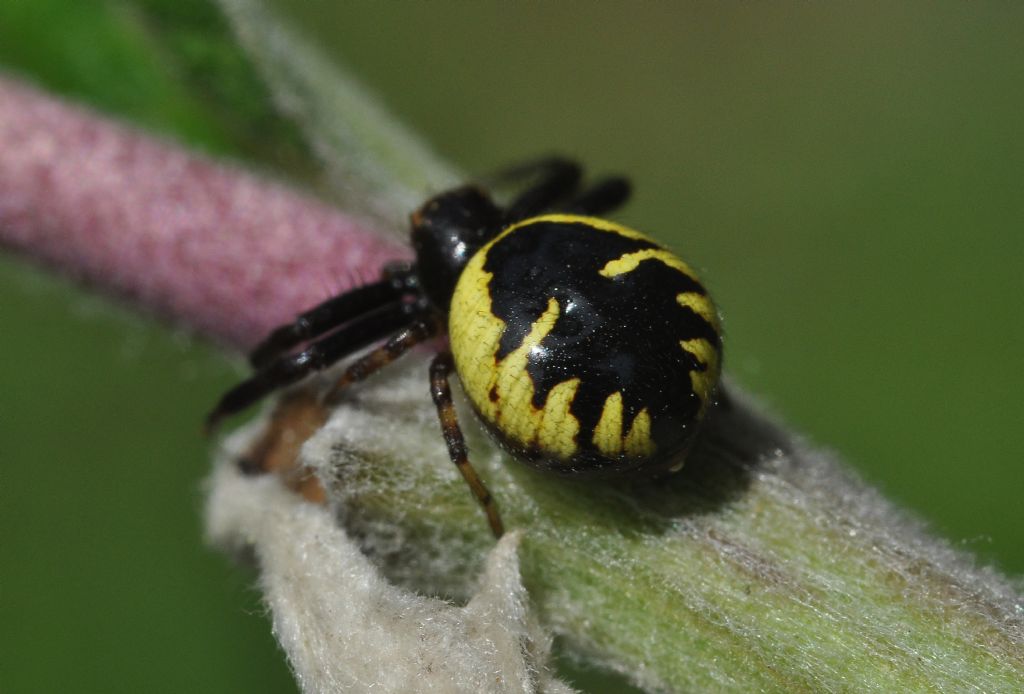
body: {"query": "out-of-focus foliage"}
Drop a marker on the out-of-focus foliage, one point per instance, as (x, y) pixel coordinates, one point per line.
(172, 66)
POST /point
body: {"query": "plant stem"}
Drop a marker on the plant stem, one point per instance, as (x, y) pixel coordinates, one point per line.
(764, 565)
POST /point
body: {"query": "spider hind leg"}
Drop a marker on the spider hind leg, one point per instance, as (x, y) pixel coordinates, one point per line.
(604, 196)
(555, 179)
(555, 186)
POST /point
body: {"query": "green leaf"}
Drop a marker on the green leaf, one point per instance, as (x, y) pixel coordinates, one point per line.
(173, 67)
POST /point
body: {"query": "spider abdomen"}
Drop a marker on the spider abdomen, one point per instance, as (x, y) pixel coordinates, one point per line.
(584, 346)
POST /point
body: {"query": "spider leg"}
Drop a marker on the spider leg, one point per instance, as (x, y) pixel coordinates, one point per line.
(604, 196)
(332, 313)
(523, 171)
(322, 353)
(556, 177)
(422, 329)
(440, 368)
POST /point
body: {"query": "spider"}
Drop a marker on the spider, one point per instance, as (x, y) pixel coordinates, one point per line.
(583, 346)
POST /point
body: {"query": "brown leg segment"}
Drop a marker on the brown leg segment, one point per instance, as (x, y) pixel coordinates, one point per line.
(442, 394)
(398, 344)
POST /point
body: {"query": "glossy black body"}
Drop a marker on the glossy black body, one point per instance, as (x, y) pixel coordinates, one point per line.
(618, 334)
(447, 231)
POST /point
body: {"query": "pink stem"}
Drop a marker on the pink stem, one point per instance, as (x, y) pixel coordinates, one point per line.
(212, 248)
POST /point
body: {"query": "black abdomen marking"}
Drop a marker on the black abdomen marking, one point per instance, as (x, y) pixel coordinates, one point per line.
(618, 333)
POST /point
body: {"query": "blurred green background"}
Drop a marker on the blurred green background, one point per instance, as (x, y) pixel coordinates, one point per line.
(848, 177)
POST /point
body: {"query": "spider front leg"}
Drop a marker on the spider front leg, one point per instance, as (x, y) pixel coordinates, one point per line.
(284, 371)
(398, 279)
(440, 368)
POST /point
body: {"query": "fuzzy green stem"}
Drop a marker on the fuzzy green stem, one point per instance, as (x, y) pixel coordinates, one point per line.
(763, 566)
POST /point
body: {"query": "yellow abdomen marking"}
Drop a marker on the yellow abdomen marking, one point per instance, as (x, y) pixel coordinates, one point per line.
(703, 381)
(502, 392)
(629, 262)
(702, 306)
(608, 435)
